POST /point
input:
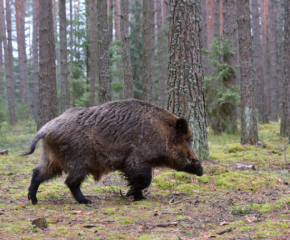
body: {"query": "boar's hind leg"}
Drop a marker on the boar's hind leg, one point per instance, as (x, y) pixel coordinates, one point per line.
(74, 183)
(37, 178)
(138, 180)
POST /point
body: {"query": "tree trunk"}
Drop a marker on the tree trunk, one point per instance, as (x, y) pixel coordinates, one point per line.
(119, 64)
(186, 87)
(285, 117)
(9, 68)
(57, 50)
(35, 58)
(148, 50)
(22, 59)
(161, 63)
(249, 133)
(258, 60)
(110, 5)
(64, 104)
(104, 57)
(273, 81)
(231, 36)
(71, 102)
(2, 78)
(125, 41)
(205, 62)
(47, 76)
(216, 12)
(93, 50)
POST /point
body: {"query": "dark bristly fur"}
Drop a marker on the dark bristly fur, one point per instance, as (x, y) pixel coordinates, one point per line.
(131, 136)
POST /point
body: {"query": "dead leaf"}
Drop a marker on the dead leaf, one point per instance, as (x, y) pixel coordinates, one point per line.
(224, 223)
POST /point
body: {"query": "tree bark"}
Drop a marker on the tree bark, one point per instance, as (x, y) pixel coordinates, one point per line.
(35, 44)
(148, 50)
(93, 51)
(47, 84)
(2, 78)
(285, 116)
(249, 133)
(22, 59)
(104, 56)
(216, 12)
(161, 63)
(230, 34)
(258, 60)
(125, 41)
(71, 102)
(185, 81)
(9, 68)
(64, 99)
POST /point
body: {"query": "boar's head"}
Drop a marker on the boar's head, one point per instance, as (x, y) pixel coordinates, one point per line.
(183, 156)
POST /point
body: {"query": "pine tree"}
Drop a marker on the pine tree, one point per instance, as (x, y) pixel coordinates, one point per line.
(185, 81)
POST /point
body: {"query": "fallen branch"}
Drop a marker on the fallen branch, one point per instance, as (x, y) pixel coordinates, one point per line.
(245, 167)
(225, 231)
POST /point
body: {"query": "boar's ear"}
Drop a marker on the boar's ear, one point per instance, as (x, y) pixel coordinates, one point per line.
(181, 126)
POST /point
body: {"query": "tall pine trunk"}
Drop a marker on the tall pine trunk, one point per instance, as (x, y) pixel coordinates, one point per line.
(9, 68)
(125, 45)
(185, 80)
(148, 50)
(22, 58)
(64, 99)
(249, 133)
(71, 99)
(285, 117)
(216, 12)
(47, 77)
(93, 51)
(35, 44)
(104, 57)
(161, 56)
(258, 60)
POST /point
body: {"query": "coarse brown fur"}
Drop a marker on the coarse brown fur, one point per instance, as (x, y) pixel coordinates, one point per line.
(131, 136)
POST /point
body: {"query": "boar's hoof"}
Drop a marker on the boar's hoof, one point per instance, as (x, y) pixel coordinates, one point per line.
(137, 196)
(33, 199)
(86, 201)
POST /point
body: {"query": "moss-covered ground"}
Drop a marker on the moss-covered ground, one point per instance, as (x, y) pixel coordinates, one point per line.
(225, 203)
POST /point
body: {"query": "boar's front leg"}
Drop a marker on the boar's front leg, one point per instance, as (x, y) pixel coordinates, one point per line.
(138, 180)
(74, 183)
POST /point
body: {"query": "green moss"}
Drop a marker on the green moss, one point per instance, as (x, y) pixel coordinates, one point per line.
(235, 148)
(148, 236)
(215, 170)
(203, 179)
(189, 188)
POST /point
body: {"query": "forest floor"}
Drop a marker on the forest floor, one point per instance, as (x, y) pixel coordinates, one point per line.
(225, 203)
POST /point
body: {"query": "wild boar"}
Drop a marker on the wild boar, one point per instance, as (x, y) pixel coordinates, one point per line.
(131, 136)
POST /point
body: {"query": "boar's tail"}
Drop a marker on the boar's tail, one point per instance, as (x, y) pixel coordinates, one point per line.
(37, 137)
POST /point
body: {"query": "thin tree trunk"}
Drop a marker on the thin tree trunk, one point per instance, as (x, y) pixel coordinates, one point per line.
(57, 50)
(148, 50)
(9, 68)
(249, 133)
(47, 84)
(71, 57)
(104, 57)
(230, 34)
(161, 52)
(285, 117)
(125, 41)
(258, 60)
(35, 58)
(93, 50)
(216, 26)
(119, 64)
(2, 78)
(64, 99)
(22, 59)
(185, 80)
(110, 5)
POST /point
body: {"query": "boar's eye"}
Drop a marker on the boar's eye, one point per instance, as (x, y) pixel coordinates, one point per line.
(181, 126)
